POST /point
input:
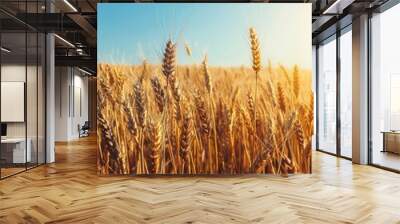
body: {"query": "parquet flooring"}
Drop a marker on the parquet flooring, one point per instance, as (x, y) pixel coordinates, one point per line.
(70, 191)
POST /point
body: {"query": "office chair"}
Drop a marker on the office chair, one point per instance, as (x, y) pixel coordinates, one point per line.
(84, 130)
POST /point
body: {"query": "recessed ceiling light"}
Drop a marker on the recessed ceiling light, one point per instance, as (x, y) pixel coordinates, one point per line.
(70, 5)
(337, 7)
(5, 50)
(84, 71)
(64, 40)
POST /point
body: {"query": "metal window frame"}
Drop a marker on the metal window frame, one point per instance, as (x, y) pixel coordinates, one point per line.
(389, 4)
(381, 9)
(338, 34)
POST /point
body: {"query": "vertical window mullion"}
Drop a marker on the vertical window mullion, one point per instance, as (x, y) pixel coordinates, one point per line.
(317, 97)
(26, 86)
(338, 80)
(338, 95)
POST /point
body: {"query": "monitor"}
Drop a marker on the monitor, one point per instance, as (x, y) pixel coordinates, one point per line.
(3, 129)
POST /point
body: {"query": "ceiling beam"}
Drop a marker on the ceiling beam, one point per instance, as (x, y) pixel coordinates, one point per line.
(76, 61)
(86, 26)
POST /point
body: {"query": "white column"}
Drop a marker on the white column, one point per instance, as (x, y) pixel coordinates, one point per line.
(360, 90)
(50, 99)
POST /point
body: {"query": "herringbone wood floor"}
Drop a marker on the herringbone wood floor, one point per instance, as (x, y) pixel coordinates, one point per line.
(70, 191)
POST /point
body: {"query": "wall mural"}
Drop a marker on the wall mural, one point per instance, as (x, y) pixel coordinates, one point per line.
(204, 89)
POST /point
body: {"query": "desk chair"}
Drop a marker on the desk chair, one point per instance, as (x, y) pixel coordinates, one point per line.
(84, 130)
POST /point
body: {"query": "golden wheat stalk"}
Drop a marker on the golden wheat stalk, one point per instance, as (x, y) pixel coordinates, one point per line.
(204, 127)
(140, 103)
(185, 140)
(131, 123)
(281, 98)
(296, 82)
(256, 56)
(169, 62)
(158, 93)
(109, 144)
(255, 50)
(234, 135)
(208, 85)
(176, 94)
(206, 73)
(154, 150)
(251, 105)
(299, 134)
(188, 49)
(271, 93)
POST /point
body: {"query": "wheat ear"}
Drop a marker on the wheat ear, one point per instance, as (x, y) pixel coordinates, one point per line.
(299, 133)
(169, 62)
(202, 113)
(154, 154)
(110, 145)
(256, 56)
(158, 93)
(131, 124)
(296, 82)
(281, 98)
(140, 103)
(185, 139)
(250, 105)
(255, 50)
(206, 73)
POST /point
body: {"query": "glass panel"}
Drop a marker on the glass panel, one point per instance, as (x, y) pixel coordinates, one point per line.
(386, 89)
(41, 99)
(32, 87)
(327, 97)
(346, 94)
(23, 89)
(31, 97)
(13, 88)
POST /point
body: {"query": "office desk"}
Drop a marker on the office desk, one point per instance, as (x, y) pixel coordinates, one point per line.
(391, 141)
(13, 150)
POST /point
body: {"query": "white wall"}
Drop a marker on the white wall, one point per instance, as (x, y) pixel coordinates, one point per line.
(81, 94)
(33, 127)
(71, 94)
(62, 82)
(16, 73)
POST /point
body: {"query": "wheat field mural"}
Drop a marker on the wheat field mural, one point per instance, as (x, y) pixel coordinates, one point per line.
(190, 119)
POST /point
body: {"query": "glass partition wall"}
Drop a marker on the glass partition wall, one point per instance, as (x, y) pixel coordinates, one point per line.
(334, 93)
(22, 78)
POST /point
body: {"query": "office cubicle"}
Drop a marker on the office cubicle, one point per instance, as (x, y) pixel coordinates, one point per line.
(22, 77)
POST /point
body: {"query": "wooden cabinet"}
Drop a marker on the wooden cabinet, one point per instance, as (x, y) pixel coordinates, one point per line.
(391, 142)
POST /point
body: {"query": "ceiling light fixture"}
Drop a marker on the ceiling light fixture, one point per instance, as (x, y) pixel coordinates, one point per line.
(84, 71)
(337, 7)
(64, 40)
(70, 5)
(5, 50)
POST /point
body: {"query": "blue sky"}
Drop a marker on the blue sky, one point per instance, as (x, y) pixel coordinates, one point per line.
(130, 33)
